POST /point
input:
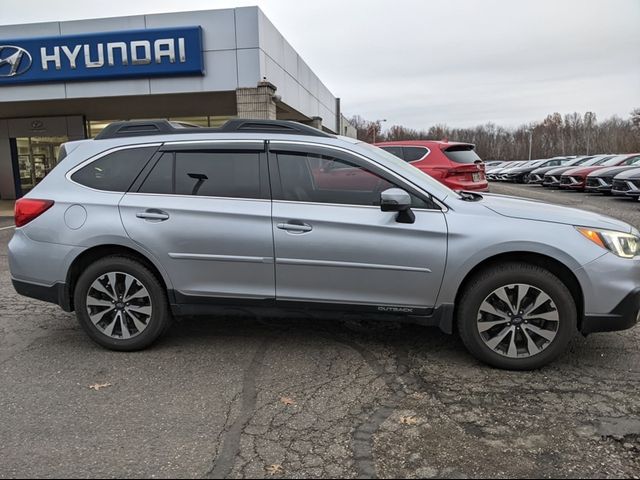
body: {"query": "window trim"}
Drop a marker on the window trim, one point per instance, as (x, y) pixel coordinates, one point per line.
(100, 155)
(199, 145)
(358, 159)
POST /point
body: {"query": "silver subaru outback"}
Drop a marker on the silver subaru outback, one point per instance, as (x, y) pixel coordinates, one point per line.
(155, 220)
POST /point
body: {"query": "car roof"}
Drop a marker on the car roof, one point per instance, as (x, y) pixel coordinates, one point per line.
(79, 151)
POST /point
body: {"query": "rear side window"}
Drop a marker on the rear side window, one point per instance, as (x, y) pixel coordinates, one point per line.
(411, 154)
(408, 154)
(115, 172)
(397, 151)
(210, 174)
(160, 180)
(462, 154)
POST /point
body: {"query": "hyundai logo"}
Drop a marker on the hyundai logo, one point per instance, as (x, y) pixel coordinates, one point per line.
(17, 59)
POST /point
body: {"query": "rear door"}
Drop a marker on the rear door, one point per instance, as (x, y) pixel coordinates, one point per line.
(204, 211)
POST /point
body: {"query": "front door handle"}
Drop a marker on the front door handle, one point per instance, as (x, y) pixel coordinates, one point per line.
(297, 227)
(157, 215)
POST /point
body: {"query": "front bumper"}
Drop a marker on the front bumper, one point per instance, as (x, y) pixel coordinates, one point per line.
(536, 179)
(623, 317)
(625, 193)
(572, 183)
(599, 184)
(626, 188)
(551, 181)
(611, 293)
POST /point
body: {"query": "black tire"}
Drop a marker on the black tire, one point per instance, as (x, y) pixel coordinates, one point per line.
(480, 287)
(157, 324)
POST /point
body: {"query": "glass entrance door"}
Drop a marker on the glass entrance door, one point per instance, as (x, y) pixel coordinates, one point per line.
(36, 158)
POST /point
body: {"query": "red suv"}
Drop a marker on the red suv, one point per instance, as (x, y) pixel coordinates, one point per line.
(455, 164)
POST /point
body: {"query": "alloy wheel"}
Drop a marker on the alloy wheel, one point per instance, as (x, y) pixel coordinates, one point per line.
(518, 321)
(119, 305)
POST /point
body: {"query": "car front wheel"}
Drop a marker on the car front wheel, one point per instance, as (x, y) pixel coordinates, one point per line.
(516, 316)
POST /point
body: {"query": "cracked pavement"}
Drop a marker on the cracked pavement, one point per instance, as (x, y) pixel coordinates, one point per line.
(364, 399)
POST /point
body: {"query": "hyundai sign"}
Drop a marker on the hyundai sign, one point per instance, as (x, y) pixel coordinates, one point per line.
(102, 56)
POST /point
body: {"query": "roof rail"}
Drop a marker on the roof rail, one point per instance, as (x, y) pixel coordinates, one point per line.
(137, 128)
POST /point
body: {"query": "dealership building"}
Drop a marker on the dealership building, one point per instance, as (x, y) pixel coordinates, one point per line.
(64, 81)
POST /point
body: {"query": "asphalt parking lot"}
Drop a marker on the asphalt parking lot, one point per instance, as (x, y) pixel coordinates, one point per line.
(273, 398)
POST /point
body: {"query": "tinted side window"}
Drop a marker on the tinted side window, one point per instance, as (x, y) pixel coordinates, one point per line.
(218, 174)
(160, 179)
(397, 151)
(411, 154)
(116, 171)
(323, 179)
(210, 174)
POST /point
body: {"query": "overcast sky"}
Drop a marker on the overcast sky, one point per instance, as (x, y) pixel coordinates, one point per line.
(423, 62)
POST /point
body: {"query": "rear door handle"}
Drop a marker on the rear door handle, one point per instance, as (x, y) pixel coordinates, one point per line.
(295, 227)
(157, 215)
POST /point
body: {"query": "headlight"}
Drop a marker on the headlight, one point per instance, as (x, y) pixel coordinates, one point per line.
(625, 245)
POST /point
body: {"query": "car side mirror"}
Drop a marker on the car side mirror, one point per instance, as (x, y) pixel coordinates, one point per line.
(397, 200)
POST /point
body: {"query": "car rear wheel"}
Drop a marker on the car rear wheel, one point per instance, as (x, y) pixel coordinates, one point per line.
(121, 304)
(516, 316)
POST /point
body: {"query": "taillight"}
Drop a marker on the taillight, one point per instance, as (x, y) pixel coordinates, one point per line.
(465, 171)
(28, 209)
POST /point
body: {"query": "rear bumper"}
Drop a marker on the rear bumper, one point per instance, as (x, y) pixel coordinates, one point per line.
(469, 186)
(57, 293)
(624, 316)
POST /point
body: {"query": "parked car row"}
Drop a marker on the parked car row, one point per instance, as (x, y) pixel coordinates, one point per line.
(607, 174)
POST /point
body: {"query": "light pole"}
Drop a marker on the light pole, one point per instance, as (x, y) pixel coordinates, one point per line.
(376, 124)
(530, 142)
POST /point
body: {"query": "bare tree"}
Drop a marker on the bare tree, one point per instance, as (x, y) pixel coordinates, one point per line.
(573, 134)
(635, 118)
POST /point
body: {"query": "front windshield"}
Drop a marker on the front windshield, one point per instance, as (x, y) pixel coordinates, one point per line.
(405, 169)
(609, 161)
(595, 161)
(625, 159)
(579, 161)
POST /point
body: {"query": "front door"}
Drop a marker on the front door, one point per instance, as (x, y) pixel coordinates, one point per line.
(205, 213)
(334, 245)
